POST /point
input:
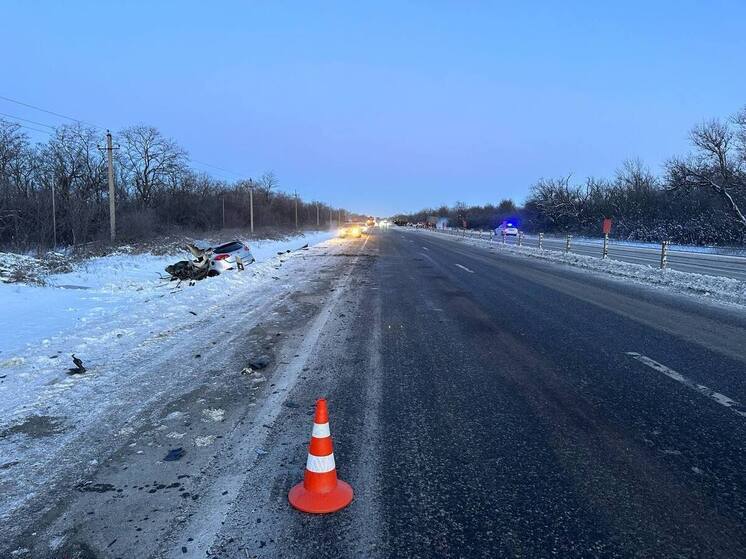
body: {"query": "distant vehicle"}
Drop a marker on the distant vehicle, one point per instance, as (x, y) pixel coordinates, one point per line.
(370, 223)
(227, 257)
(353, 230)
(507, 230)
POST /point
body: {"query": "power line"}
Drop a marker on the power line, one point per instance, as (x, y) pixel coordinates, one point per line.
(238, 175)
(50, 112)
(218, 168)
(27, 120)
(35, 129)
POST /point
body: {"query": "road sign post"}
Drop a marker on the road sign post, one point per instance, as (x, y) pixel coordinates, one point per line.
(606, 231)
(664, 255)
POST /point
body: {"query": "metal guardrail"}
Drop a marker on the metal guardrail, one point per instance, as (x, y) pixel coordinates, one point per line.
(662, 256)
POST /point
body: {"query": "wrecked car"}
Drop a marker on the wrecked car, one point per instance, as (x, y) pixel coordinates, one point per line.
(229, 256)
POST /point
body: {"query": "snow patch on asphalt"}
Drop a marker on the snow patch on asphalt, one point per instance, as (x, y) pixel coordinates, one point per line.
(213, 414)
(207, 440)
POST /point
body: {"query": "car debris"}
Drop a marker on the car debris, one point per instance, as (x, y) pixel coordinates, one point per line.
(79, 369)
(211, 261)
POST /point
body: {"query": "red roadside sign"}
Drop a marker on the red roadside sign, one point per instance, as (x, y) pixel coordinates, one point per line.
(607, 226)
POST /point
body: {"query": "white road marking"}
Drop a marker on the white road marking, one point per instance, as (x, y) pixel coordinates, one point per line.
(721, 399)
(465, 268)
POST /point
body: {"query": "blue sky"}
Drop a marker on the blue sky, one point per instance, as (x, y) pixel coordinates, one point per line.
(383, 107)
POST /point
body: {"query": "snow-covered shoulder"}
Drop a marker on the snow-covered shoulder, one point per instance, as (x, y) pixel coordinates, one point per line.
(110, 312)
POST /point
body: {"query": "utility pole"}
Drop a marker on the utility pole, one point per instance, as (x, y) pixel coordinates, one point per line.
(318, 216)
(224, 211)
(330, 218)
(296, 209)
(112, 205)
(109, 149)
(54, 221)
(251, 204)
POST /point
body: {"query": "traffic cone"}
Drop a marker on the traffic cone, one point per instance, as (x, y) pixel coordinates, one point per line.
(320, 491)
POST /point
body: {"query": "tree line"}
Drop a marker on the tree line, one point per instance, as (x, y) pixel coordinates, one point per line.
(699, 198)
(58, 190)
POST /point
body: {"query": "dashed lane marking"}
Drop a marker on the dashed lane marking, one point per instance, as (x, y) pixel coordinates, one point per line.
(465, 268)
(721, 399)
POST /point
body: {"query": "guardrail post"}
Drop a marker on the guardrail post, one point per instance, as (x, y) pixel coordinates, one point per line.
(520, 238)
(567, 243)
(606, 245)
(664, 255)
(541, 241)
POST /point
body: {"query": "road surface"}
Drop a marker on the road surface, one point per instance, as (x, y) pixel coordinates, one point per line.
(481, 404)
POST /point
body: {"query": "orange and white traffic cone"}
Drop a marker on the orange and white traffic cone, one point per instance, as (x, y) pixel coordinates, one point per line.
(320, 491)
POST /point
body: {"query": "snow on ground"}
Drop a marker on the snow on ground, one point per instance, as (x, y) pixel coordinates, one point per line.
(111, 312)
(101, 288)
(720, 289)
(106, 304)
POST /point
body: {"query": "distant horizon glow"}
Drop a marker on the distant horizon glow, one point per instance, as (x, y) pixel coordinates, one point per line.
(386, 108)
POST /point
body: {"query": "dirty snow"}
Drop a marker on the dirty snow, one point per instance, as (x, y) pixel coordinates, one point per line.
(112, 312)
(213, 414)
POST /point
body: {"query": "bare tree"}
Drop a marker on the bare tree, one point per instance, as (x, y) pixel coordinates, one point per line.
(717, 164)
(152, 161)
(268, 182)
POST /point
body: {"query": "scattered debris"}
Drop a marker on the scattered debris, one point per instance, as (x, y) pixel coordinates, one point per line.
(260, 362)
(79, 369)
(192, 270)
(192, 312)
(90, 487)
(175, 454)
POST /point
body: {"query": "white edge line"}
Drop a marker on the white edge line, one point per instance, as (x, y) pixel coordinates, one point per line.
(721, 399)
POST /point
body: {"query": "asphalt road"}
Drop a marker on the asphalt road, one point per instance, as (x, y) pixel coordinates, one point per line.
(481, 404)
(486, 406)
(725, 265)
